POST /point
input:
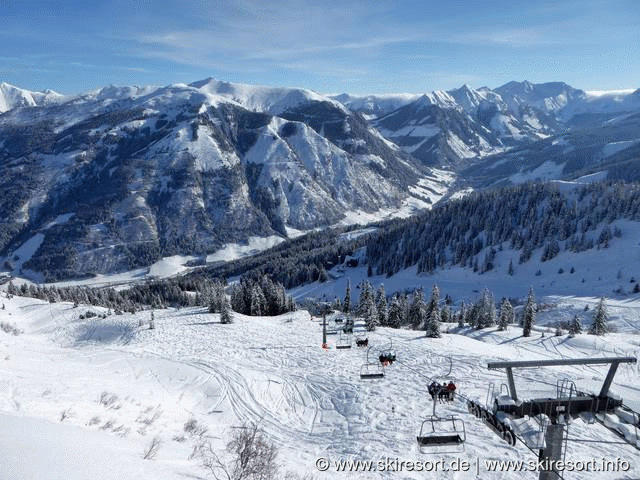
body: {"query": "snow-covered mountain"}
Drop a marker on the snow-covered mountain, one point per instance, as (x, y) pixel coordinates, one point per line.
(462, 126)
(115, 178)
(13, 97)
(436, 134)
(120, 176)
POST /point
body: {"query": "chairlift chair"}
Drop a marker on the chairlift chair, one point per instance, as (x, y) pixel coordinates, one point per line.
(371, 370)
(332, 330)
(344, 341)
(388, 354)
(442, 432)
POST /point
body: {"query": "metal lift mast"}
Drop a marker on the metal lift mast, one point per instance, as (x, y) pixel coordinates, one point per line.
(556, 408)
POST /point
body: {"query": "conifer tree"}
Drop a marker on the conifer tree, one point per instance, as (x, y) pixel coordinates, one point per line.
(461, 315)
(346, 304)
(529, 317)
(434, 300)
(381, 305)
(433, 317)
(225, 312)
(486, 310)
(367, 306)
(395, 312)
(575, 326)
(432, 324)
(600, 318)
(418, 310)
(445, 315)
(506, 315)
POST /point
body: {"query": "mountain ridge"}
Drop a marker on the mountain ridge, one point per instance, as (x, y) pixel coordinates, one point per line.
(140, 172)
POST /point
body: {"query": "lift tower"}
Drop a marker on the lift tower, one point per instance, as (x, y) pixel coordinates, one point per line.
(561, 408)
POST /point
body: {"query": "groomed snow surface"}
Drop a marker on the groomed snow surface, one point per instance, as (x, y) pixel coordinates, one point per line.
(84, 399)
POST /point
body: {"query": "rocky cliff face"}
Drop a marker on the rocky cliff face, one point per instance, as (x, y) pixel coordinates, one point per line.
(116, 178)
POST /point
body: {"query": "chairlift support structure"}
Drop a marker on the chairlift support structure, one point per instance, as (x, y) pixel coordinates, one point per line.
(568, 404)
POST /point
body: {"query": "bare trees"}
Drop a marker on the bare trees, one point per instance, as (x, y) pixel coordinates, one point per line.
(249, 456)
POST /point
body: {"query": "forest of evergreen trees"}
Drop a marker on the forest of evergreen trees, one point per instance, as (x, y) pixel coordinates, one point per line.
(250, 297)
(524, 217)
(412, 310)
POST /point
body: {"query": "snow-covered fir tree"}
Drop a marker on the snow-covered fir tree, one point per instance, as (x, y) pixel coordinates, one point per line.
(506, 314)
(417, 310)
(432, 322)
(445, 315)
(486, 310)
(473, 315)
(461, 315)
(529, 316)
(346, 304)
(434, 300)
(558, 331)
(575, 326)
(381, 305)
(225, 311)
(395, 312)
(367, 306)
(600, 318)
(217, 297)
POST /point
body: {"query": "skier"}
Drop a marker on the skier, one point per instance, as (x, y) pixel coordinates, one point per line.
(451, 388)
(434, 388)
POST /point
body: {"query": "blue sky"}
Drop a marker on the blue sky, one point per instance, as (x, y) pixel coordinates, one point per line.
(330, 46)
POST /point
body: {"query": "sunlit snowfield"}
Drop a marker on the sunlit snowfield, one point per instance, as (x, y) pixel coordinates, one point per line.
(85, 398)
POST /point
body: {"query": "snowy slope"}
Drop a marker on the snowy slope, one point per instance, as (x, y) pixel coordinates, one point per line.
(112, 386)
(610, 271)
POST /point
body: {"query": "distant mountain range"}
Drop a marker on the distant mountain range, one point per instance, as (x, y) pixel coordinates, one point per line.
(116, 178)
(462, 127)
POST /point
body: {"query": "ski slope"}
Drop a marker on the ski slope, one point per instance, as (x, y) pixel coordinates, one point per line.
(106, 387)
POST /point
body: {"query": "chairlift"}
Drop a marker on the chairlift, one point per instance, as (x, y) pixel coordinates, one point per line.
(344, 341)
(370, 369)
(362, 341)
(388, 354)
(442, 431)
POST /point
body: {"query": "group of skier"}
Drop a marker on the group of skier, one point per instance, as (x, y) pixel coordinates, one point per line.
(445, 391)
